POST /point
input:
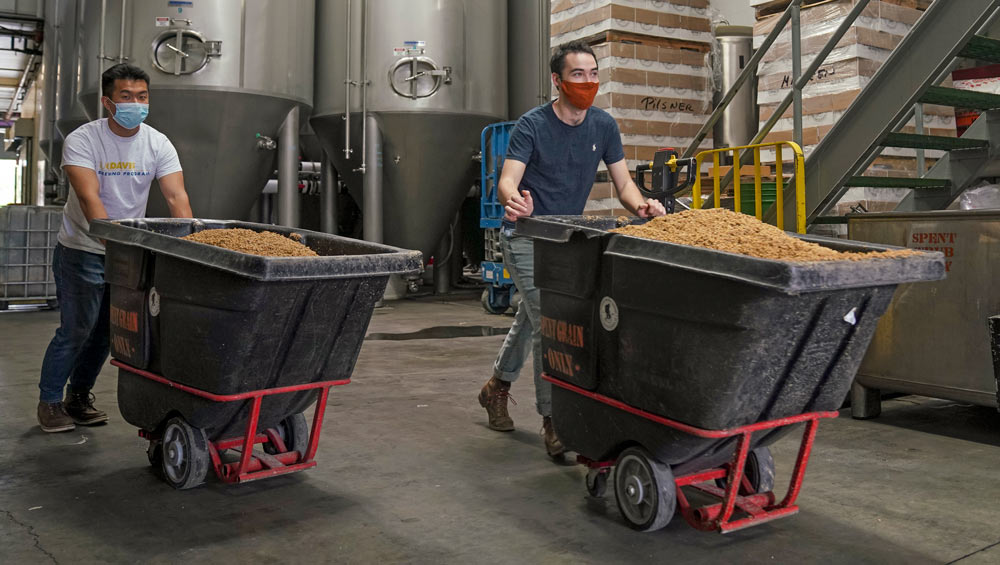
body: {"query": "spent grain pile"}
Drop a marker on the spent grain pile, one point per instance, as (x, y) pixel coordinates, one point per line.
(718, 228)
(268, 244)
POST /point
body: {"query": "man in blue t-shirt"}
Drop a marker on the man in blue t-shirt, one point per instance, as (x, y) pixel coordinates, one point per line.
(551, 161)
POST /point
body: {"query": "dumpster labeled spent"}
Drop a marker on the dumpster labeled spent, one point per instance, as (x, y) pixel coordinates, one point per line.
(690, 359)
(215, 344)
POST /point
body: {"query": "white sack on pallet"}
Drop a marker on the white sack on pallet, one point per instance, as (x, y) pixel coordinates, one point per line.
(582, 6)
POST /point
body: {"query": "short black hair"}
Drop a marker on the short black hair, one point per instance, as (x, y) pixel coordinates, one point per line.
(119, 72)
(558, 59)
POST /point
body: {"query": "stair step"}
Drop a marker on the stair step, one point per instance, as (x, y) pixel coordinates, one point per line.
(982, 48)
(918, 141)
(961, 98)
(830, 220)
(898, 182)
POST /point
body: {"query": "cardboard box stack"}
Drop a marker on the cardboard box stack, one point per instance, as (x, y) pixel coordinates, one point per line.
(846, 71)
(655, 73)
(764, 8)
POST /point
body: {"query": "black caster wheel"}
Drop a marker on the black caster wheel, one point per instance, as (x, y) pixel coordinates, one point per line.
(185, 457)
(758, 470)
(645, 490)
(154, 452)
(489, 306)
(597, 483)
(294, 431)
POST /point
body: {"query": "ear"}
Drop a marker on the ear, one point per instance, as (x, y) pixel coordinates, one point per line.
(108, 105)
(555, 80)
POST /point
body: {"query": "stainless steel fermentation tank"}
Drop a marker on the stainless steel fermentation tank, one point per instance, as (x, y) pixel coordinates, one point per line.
(59, 113)
(403, 90)
(70, 113)
(221, 73)
(738, 124)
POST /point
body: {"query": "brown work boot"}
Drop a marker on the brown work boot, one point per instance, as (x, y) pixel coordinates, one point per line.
(553, 446)
(52, 418)
(80, 407)
(493, 398)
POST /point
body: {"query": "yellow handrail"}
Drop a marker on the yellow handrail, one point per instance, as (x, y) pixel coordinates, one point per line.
(798, 160)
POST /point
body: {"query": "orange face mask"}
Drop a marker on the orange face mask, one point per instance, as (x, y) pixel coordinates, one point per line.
(579, 94)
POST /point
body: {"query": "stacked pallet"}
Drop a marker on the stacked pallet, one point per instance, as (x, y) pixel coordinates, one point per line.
(655, 74)
(847, 70)
(764, 8)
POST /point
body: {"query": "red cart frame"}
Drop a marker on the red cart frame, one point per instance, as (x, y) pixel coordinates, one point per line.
(252, 466)
(759, 507)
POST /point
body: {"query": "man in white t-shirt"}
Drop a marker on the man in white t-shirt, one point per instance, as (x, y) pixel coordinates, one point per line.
(111, 164)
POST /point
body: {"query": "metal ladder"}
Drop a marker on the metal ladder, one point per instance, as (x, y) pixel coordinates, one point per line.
(946, 31)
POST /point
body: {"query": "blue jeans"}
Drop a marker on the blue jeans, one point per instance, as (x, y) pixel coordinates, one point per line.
(526, 334)
(80, 347)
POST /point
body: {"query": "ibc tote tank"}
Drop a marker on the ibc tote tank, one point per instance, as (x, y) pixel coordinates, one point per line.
(436, 75)
(221, 72)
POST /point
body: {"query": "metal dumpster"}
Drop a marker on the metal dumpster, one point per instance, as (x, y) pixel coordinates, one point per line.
(934, 340)
(710, 339)
(226, 322)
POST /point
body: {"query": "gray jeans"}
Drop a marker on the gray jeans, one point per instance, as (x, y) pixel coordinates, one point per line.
(525, 335)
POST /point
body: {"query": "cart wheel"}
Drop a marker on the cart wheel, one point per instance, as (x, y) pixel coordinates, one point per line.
(645, 490)
(759, 470)
(154, 452)
(185, 454)
(489, 306)
(597, 483)
(294, 431)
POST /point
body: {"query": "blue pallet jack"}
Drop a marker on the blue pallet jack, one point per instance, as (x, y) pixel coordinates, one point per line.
(499, 295)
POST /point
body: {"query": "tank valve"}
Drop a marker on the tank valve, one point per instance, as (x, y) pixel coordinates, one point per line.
(265, 142)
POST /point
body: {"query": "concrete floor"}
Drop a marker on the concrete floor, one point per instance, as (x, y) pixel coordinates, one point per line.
(409, 472)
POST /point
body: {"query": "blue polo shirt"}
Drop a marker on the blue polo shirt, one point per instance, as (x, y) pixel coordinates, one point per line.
(562, 159)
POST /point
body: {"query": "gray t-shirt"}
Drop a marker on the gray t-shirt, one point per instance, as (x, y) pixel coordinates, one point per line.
(562, 159)
(125, 167)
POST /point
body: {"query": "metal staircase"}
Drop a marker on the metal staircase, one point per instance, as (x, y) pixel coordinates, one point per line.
(947, 31)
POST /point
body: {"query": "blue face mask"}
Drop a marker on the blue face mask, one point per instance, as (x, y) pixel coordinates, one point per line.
(130, 114)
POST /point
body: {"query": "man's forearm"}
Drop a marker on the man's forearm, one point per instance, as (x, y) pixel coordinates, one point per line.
(179, 206)
(93, 208)
(630, 197)
(505, 191)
